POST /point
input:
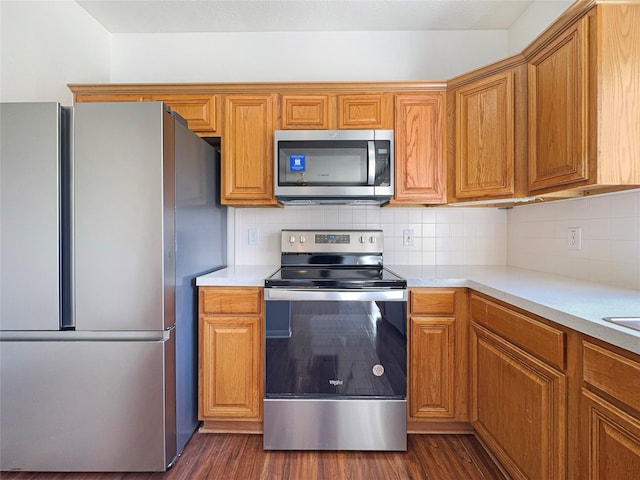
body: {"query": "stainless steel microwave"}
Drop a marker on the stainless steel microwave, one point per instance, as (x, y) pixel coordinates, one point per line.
(333, 166)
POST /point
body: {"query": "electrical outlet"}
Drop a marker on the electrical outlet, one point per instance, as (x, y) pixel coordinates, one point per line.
(574, 238)
(407, 238)
(253, 236)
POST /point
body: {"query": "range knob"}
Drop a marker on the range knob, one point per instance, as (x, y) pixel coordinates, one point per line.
(302, 239)
(292, 239)
(363, 239)
(373, 239)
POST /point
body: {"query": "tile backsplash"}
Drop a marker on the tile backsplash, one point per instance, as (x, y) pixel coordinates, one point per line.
(442, 236)
(610, 238)
(527, 236)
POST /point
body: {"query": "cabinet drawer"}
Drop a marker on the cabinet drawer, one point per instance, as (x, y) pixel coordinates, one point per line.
(432, 302)
(536, 337)
(225, 300)
(478, 309)
(614, 374)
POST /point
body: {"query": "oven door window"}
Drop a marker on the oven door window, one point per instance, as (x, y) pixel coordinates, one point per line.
(318, 349)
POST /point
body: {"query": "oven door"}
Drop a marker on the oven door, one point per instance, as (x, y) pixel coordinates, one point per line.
(335, 344)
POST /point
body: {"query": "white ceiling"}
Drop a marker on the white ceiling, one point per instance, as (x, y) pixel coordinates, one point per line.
(179, 16)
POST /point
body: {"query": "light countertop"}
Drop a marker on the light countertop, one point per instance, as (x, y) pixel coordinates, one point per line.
(237, 276)
(573, 303)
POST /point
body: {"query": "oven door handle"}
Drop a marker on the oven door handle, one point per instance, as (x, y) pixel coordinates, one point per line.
(325, 295)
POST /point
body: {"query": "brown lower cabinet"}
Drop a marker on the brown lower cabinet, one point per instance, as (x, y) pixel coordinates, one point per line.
(547, 401)
(230, 387)
(519, 389)
(519, 407)
(438, 393)
(550, 402)
(610, 406)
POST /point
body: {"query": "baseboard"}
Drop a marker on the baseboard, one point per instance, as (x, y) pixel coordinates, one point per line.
(445, 426)
(231, 426)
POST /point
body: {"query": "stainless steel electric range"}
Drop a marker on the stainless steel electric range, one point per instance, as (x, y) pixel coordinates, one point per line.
(335, 345)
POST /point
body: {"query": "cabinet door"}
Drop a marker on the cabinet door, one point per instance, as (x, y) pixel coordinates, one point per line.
(432, 367)
(247, 150)
(419, 149)
(559, 113)
(518, 407)
(306, 112)
(485, 137)
(231, 376)
(364, 111)
(200, 111)
(612, 440)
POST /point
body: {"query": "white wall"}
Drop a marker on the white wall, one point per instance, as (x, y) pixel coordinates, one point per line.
(303, 56)
(534, 20)
(610, 224)
(46, 45)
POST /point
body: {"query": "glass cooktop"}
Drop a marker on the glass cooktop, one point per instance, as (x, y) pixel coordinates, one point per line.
(335, 277)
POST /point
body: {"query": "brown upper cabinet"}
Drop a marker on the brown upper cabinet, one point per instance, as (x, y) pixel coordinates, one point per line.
(365, 111)
(487, 132)
(584, 88)
(419, 149)
(558, 110)
(247, 150)
(201, 111)
(307, 112)
(336, 111)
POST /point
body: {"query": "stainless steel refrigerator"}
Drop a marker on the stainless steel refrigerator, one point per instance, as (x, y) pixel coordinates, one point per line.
(108, 213)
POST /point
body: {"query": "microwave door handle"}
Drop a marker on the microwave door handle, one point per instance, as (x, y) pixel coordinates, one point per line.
(371, 162)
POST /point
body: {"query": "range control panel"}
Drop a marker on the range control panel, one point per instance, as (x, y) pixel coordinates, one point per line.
(330, 241)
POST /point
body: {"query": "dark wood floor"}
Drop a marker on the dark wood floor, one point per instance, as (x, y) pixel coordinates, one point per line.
(232, 456)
